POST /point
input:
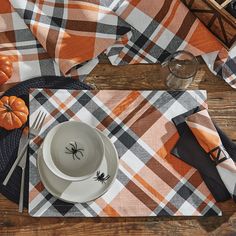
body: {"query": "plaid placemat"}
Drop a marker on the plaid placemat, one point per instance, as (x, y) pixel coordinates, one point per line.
(150, 181)
(46, 37)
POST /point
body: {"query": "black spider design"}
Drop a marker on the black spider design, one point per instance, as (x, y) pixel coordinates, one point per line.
(101, 177)
(74, 150)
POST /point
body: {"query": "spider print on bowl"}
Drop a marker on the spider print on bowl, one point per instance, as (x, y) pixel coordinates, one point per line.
(101, 177)
(74, 151)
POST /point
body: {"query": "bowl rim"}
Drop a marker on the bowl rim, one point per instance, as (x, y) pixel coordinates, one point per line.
(47, 154)
(75, 202)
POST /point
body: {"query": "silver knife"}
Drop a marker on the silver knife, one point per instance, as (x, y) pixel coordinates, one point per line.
(23, 141)
(22, 165)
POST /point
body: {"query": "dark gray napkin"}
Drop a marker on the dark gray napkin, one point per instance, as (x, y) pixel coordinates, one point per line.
(188, 150)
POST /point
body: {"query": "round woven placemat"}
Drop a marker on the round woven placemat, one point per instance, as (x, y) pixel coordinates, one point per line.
(9, 140)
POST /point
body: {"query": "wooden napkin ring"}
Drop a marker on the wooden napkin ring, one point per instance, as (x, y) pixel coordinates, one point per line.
(218, 155)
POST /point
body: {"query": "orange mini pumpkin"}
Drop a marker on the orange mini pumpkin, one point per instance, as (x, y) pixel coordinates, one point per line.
(13, 112)
(6, 69)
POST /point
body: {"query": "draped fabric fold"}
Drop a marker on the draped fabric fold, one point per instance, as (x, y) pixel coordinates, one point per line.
(70, 35)
(71, 32)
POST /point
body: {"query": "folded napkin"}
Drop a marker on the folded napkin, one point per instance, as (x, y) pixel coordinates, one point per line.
(206, 134)
(187, 145)
(54, 37)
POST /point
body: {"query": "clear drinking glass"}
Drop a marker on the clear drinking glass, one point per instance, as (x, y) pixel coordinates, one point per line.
(181, 68)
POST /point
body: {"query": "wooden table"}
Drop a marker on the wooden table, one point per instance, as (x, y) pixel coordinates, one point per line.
(222, 107)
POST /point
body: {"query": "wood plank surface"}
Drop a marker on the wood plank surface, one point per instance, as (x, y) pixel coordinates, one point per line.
(222, 107)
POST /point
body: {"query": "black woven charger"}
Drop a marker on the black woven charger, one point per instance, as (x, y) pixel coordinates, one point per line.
(9, 141)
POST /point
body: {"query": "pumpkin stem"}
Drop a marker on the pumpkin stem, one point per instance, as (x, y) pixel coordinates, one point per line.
(8, 108)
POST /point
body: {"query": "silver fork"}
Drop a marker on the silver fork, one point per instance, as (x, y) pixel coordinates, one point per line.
(34, 131)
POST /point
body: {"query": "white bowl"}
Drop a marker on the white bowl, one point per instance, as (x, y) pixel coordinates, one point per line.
(86, 190)
(73, 150)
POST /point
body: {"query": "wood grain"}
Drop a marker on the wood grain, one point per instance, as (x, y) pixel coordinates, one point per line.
(222, 107)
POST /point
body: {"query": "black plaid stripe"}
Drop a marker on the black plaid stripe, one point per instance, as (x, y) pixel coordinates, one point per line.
(231, 64)
(227, 70)
(41, 98)
(27, 44)
(62, 207)
(88, 208)
(166, 100)
(180, 98)
(184, 101)
(122, 178)
(163, 211)
(88, 103)
(135, 50)
(46, 198)
(57, 18)
(122, 27)
(141, 41)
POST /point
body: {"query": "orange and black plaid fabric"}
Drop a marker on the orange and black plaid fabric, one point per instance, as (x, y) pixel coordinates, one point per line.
(150, 181)
(205, 132)
(51, 37)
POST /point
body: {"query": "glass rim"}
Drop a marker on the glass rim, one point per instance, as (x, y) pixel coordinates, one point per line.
(195, 63)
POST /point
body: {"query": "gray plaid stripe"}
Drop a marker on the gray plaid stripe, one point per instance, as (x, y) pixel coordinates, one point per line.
(45, 200)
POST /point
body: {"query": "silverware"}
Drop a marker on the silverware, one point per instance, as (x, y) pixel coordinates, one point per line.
(34, 131)
(22, 164)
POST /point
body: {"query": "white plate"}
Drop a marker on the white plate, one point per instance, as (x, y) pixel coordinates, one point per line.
(58, 148)
(85, 190)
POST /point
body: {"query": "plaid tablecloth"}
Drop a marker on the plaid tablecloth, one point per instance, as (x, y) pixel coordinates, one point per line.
(53, 37)
(150, 181)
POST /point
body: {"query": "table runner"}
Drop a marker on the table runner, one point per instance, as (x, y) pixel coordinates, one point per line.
(53, 37)
(150, 181)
